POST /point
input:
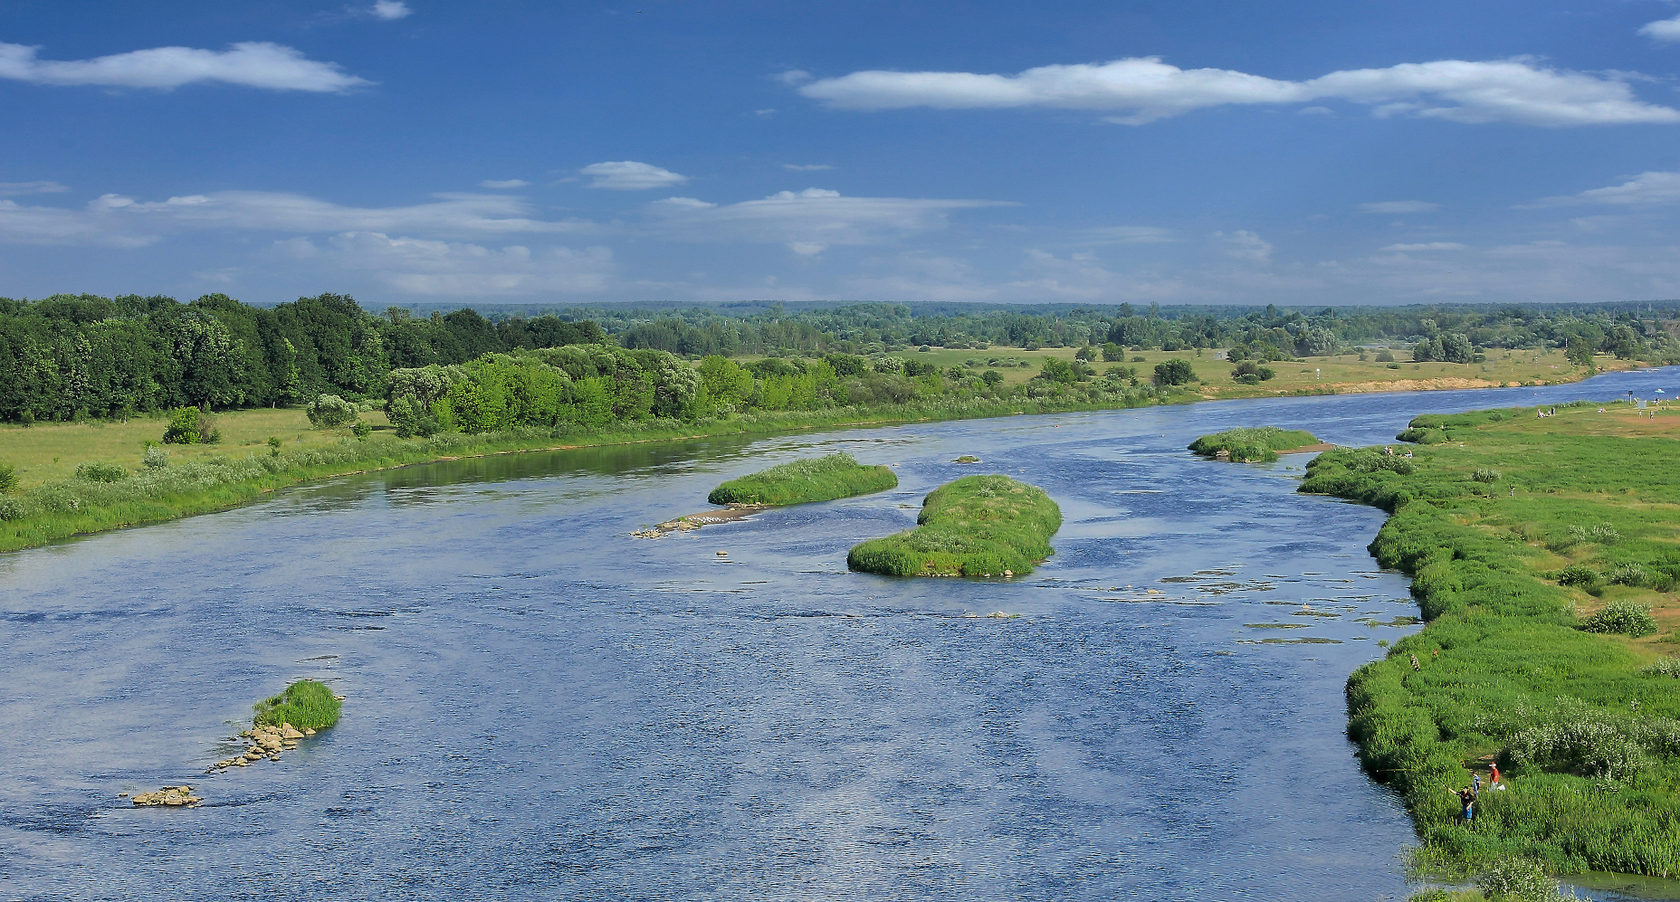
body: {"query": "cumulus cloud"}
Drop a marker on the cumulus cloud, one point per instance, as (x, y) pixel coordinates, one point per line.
(1424, 246)
(1389, 207)
(1143, 89)
(461, 269)
(14, 189)
(1663, 29)
(390, 10)
(252, 64)
(1245, 245)
(808, 221)
(503, 184)
(629, 175)
(1645, 189)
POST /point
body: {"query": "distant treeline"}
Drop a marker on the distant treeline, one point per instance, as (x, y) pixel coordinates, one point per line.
(70, 356)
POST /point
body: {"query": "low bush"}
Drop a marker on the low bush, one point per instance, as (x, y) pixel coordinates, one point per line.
(330, 412)
(1625, 617)
(802, 481)
(155, 457)
(190, 426)
(100, 472)
(305, 704)
(8, 478)
(10, 509)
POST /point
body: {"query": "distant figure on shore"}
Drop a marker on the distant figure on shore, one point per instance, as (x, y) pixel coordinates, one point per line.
(1415, 665)
(1494, 782)
(1467, 797)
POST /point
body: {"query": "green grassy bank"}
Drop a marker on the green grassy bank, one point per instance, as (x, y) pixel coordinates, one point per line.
(227, 477)
(1258, 444)
(1545, 556)
(976, 526)
(803, 481)
(305, 704)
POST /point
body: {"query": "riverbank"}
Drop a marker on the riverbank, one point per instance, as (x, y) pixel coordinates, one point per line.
(1525, 535)
(247, 466)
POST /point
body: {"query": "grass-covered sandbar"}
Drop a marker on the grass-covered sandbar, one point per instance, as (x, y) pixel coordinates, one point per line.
(1254, 444)
(977, 526)
(804, 481)
(1545, 556)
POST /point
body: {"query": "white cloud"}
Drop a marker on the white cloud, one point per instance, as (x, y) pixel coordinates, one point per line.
(1141, 90)
(116, 220)
(464, 270)
(1645, 189)
(503, 184)
(1245, 245)
(252, 64)
(1663, 29)
(794, 77)
(1388, 207)
(1126, 235)
(629, 175)
(1425, 246)
(807, 167)
(390, 10)
(808, 218)
(13, 189)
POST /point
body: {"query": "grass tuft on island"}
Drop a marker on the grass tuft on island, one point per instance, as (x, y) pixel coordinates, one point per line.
(1542, 550)
(977, 526)
(1259, 444)
(803, 481)
(305, 704)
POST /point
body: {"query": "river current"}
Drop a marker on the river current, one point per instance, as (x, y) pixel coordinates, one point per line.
(540, 706)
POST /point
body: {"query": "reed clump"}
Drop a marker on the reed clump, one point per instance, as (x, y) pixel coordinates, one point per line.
(977, 526)
(305, 704)
(803, 481)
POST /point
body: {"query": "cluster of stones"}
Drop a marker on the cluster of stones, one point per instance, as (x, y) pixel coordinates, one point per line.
(171, 796)
(266, 742)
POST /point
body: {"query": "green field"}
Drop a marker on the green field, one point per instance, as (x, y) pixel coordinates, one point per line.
(803, 481)
(1257, 444)
(1545, 558)
(977, 526)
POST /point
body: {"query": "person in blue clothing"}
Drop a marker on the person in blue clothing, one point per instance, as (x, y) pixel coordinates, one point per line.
(1467, 796)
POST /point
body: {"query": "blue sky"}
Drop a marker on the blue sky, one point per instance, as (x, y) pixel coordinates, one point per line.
(1299, 153)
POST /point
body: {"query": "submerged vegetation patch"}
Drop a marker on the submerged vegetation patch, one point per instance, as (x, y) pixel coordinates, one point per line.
(1258, 444)
(1531, 658)
(802, 481)
(977, 526)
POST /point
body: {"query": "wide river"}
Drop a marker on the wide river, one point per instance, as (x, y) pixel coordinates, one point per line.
(540, 706)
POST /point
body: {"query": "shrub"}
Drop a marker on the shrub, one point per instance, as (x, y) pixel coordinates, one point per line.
(10, 509)
(305, 704)
(1484, 474)
(1580, 575)
(100, 472)
(8, 478)
(1628, 618)
(361, 430)
(1250, 373)
(186, 427)
(1176, 371)
(330, 412)
(1385, 356)
(1668, 667)
(155, 457)
(1519, 880)
(1626, 574)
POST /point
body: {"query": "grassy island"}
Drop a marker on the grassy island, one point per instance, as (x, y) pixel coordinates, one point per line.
(1259, 444)
(976, 526)
(305, 704)
(802, 481)
(1545, 557)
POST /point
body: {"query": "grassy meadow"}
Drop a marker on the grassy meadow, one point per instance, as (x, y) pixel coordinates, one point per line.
(976, 526)
(803, 481)
(1545, 557)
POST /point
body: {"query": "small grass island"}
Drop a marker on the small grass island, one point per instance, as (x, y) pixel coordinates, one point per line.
(1259, 444)
(977, 526)
(804, 481)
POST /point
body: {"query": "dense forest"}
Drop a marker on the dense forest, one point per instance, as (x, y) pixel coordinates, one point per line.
(68, 357)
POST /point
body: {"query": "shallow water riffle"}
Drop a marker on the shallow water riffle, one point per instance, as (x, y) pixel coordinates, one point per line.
(540, 706)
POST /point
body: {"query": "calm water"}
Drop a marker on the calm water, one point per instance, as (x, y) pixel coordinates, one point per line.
(541, 707)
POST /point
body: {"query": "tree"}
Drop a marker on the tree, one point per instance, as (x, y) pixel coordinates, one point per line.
(330, 411)
(1175, 371)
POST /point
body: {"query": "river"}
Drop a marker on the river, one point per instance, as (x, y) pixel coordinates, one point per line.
(540, 706)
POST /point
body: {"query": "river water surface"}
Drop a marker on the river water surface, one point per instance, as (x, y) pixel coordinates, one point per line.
(542, 707)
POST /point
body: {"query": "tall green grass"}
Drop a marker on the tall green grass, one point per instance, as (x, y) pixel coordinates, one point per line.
(1258, 444)
(1584, 727)
(802, 481)
(977, 526)
(305, 704)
